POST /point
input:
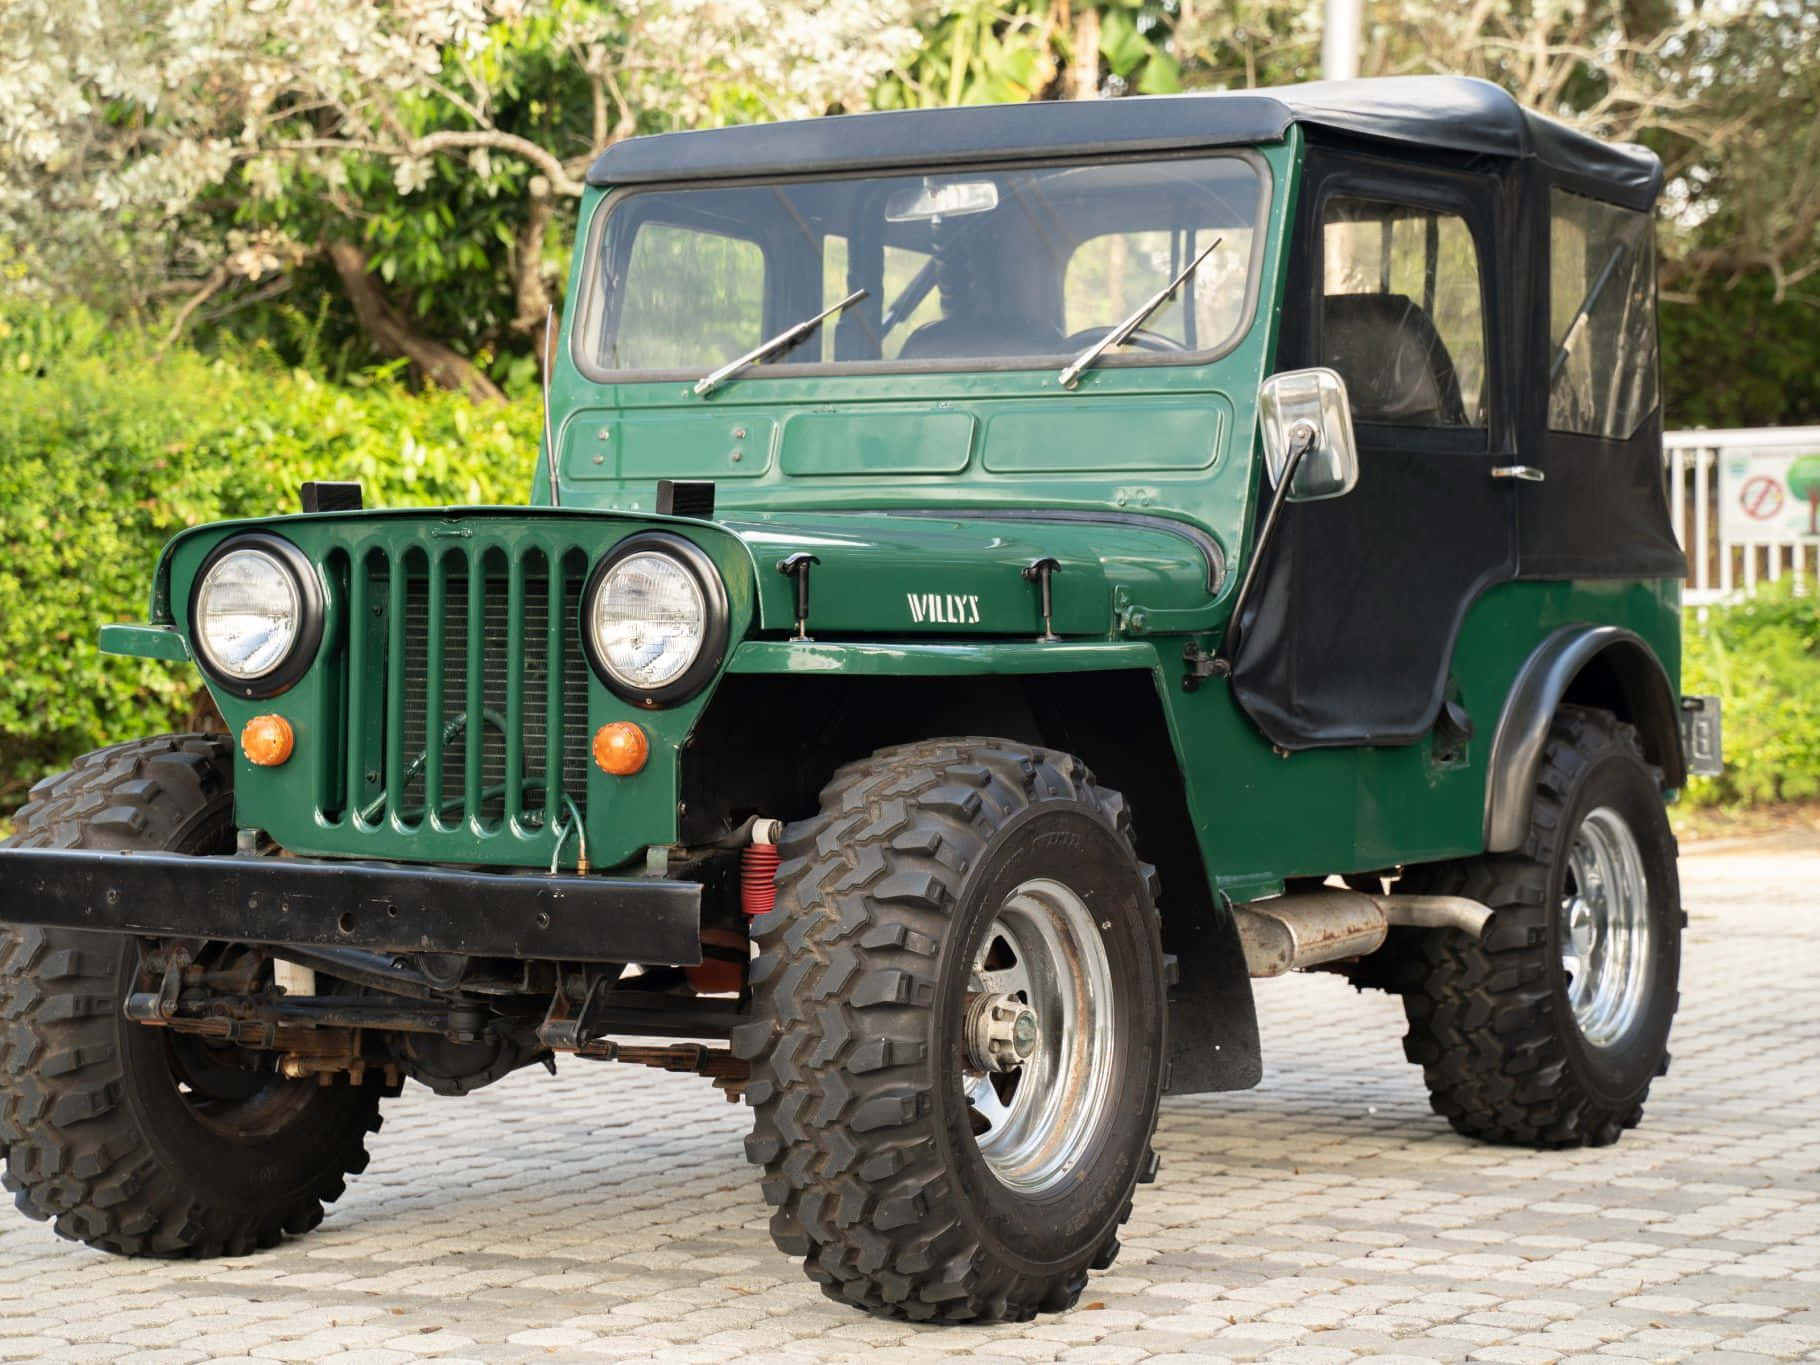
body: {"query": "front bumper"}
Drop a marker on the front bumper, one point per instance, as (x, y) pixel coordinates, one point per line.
(380, 907)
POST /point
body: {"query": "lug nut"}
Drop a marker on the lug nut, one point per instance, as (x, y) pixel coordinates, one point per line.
(1002, 1032)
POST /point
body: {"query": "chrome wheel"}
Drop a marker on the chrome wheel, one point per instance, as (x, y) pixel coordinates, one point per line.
(1038, 1034)
(1605, 928)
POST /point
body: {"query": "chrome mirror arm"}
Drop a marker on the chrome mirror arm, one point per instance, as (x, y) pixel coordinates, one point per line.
(1302, 437)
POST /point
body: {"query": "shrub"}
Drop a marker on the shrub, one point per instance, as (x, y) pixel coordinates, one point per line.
(109, 445)
(1761, 656)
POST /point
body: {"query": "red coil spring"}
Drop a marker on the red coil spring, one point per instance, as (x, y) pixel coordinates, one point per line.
(757, 878)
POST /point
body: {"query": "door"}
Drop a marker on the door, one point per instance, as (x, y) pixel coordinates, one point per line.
(1360, 598)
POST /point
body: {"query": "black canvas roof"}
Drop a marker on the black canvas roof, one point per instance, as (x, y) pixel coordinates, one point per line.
(1454, 113)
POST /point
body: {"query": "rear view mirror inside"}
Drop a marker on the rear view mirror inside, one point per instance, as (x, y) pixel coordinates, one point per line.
(951, 199)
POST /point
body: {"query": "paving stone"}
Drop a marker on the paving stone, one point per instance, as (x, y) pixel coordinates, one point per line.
(1326, 1216)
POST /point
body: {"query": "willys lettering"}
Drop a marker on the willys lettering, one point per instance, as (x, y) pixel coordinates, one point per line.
(948, 609)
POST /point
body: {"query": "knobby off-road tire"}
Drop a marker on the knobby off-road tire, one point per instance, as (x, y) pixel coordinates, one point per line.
(927, 879)
(1507, 1056)
(96, 1129)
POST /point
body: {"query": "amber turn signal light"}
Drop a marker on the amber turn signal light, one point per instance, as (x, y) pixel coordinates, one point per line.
(267, 740)
(620, 748)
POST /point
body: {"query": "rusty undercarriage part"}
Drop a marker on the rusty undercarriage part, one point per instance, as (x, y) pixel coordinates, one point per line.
(729, 1073)
(448, 1039)
(1309, 928)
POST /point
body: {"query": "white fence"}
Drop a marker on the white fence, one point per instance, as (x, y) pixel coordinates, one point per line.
(1742, 517)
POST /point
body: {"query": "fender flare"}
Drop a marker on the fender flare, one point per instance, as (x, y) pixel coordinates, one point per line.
(1542, 685)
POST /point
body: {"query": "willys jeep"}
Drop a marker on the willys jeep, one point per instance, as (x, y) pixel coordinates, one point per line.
(996, 582)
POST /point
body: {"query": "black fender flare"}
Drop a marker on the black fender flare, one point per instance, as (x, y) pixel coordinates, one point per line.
(1547, 679)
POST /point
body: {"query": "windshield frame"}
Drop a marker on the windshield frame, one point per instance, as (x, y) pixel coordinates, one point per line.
(614, 199)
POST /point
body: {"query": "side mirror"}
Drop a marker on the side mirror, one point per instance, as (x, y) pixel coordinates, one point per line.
(1309, 405)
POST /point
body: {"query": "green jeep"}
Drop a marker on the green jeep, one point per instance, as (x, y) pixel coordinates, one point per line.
(997, 581)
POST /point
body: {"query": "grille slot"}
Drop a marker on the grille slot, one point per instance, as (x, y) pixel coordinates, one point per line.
(464, 673)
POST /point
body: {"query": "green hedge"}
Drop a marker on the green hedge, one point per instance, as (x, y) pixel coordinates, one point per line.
(1762, 657)
(110, 444)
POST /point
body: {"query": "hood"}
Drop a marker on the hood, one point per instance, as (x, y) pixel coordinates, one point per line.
(916, 573)
(900, 573)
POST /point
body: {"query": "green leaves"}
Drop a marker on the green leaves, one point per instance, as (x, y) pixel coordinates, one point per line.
(1762, 658)
(112, 447)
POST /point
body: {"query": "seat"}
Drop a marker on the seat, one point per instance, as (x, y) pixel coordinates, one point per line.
(980, 335)
(1395, 365)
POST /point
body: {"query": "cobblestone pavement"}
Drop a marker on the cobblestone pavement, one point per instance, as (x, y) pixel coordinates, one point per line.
(1325, 1215)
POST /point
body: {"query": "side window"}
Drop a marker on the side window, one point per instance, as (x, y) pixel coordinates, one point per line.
(1109, 276)
(1601, 317)
(722, 280)
(1402, 315)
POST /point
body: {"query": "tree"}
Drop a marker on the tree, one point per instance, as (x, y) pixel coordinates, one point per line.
(206, 152)
(1804, 483)
(988, 53)
(1727, 94)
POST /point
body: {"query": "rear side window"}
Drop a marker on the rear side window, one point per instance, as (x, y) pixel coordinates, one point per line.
(1403, 316)
(1602, 317)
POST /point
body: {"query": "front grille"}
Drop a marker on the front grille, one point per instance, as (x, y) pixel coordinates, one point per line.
(465, 689)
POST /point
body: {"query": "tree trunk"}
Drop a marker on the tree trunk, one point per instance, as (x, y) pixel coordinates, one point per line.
(530, 292)
(1084, 70)
(392, 333)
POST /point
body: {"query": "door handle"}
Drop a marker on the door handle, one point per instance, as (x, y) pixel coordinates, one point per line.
(1526, 472)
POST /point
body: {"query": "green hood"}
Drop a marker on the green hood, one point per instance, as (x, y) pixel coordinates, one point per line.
(908, 573)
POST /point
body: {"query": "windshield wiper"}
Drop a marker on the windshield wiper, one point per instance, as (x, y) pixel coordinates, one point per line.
(1071, 372)
(788, 337)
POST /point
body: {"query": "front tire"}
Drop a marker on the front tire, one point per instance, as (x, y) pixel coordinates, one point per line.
(1549, 1033)
(958, 1032)
(134, 1139)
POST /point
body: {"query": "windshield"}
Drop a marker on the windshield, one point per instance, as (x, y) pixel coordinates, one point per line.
(1031, 264)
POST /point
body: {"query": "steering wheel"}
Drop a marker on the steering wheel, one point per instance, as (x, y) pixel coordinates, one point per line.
(1144, 341)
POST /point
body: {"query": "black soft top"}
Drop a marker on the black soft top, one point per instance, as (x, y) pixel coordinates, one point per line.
(1452, 113)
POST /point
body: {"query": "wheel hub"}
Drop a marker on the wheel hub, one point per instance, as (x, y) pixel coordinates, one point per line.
(1037, 1036)
(1606, 942)
(1002, 1032)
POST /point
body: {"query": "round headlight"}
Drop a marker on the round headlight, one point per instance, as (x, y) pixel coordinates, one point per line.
(252, 616)
(656, 619)
(649, 619)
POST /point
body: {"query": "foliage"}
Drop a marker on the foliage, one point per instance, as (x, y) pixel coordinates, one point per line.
(207, 151)
(981, 52)
(210, 159)
(1761, 656)
(112, 446)
(1734, 355)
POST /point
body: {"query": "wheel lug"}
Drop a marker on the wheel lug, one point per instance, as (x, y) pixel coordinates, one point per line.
(1001, 1032)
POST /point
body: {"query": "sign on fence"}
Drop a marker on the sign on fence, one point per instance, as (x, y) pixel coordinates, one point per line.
(1769, 494)
(1746, 505)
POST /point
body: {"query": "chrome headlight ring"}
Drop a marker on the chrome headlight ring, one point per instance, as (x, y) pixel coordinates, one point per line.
(659, 556)
(301, 590)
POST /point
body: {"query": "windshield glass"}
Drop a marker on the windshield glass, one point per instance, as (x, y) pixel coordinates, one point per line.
(1025, 264)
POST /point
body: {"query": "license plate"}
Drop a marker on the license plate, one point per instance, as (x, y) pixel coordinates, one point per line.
(1701, 739)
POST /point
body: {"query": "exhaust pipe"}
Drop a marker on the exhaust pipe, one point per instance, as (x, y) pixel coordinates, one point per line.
(1288, 933)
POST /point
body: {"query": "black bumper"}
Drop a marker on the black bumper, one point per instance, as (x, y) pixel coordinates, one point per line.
(382, 907)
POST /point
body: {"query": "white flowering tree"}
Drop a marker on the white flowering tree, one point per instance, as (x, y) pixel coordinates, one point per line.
(203, 152)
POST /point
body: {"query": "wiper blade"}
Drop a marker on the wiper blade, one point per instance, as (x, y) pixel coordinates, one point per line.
(1072, 371)
(788, 337)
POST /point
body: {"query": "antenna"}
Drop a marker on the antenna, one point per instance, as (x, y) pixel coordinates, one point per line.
(549, 440)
